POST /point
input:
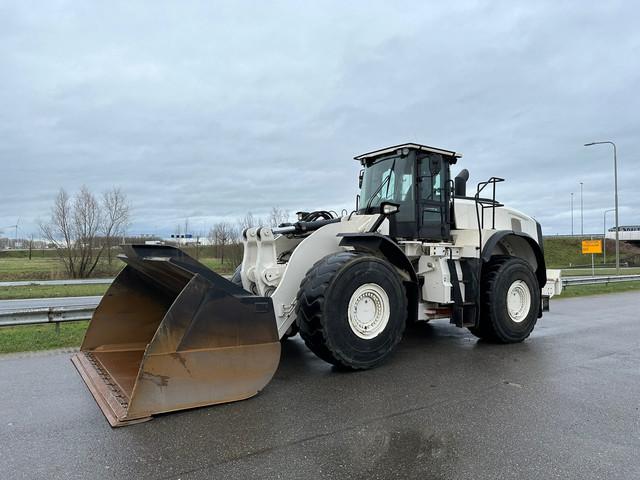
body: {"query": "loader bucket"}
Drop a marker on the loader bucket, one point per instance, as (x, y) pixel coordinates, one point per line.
(170, 334)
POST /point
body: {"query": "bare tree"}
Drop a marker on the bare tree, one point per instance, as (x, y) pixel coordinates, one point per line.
(30, 246)
(87, 221)
(116, 213)
(278, 216)
(235, 251)
(60, 231)
(75, 226)
(248, 221)
(221, 235)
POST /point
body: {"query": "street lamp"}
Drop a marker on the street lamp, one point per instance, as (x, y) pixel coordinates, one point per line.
(604, 237)
(572, 214)
(615, 188)
(581, 213)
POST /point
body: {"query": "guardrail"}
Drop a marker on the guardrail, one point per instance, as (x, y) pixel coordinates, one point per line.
(566, 282)
(56, 315)
(31, 316)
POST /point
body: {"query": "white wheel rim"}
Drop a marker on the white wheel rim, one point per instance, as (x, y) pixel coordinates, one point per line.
(369, 311)
(518, 301)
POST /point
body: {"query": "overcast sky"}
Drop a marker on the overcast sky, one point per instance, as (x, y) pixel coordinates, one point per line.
(208, 110)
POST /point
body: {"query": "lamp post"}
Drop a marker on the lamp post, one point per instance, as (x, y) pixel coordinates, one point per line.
(615, 189)
(581, 213)
(572, 214)
(604, 236)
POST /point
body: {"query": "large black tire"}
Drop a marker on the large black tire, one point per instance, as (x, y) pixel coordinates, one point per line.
(323, 309)
(497, 324)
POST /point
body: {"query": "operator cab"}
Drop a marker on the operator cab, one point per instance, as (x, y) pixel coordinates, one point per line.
(415, 177)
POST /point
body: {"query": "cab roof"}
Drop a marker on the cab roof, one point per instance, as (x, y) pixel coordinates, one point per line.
(410, 146)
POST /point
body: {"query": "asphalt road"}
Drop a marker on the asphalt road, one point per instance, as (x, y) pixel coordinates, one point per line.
(13, 305)
(564, 404)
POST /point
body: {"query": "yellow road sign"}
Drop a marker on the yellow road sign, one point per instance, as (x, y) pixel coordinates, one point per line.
(591, 246)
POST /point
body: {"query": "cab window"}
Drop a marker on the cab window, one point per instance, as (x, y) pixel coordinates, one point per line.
(431, 178)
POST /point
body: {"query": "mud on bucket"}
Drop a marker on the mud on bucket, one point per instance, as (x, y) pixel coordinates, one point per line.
(170, 334)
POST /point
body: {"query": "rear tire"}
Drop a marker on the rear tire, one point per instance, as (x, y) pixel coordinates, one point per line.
(510, 301)
(352, 310)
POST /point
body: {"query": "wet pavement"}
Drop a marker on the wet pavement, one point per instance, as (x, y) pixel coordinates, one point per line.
(563, 404)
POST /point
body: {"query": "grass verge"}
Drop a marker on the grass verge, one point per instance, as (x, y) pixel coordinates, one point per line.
(226, 268)
(597, 289)
(28, 338)
(51, 268)
(582, 272)
(51, 291)
(47, 268)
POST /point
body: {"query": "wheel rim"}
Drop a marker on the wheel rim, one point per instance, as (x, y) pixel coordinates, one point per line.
(369, 310)
(518, 301)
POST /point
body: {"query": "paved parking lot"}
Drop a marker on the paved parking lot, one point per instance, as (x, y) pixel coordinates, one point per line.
(564, 404)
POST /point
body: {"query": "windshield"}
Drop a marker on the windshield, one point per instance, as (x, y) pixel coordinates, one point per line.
(389, 180)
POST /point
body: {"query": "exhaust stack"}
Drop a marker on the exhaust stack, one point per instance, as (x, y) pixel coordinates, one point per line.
(460, 183)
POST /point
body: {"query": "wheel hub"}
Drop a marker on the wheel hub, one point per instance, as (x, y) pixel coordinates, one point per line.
(518, 301)
(369, 310)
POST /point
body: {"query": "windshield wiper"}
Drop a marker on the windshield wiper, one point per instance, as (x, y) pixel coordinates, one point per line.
(387, 180)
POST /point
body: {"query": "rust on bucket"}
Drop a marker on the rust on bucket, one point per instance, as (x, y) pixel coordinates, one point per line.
(170, 334)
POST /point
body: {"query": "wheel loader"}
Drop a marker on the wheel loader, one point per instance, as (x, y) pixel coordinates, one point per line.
(171, 334)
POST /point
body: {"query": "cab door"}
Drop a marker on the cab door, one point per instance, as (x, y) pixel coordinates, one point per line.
(433, 201)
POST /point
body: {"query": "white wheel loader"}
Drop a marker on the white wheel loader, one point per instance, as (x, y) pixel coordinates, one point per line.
(171, 334)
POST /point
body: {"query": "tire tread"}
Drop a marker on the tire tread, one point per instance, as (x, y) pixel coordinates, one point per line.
(488, 328)
(311, 300)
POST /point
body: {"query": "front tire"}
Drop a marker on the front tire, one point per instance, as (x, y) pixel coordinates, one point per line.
(510, 301)
(352, 309)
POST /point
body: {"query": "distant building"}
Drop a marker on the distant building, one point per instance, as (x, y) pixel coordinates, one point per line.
(627, 233)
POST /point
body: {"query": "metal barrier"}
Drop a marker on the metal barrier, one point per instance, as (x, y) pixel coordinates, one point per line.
(31, 316)
(566, 282)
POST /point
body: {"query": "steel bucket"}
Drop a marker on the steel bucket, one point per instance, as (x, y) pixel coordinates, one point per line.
(171, 334)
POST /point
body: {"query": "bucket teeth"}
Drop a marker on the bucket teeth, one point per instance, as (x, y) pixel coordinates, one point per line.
(170, 334)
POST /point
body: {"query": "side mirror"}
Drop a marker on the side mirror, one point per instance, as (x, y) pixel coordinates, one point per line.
(388, 208)
(360, 178)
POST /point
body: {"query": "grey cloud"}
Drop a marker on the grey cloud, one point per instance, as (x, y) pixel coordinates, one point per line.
(209, 111)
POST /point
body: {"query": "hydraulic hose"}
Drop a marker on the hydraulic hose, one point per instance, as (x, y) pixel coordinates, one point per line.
(303, 227)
